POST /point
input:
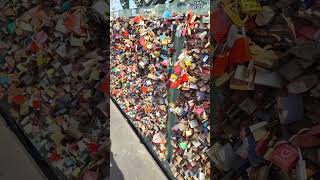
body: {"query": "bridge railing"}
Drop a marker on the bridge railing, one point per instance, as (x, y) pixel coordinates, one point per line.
(197, 6)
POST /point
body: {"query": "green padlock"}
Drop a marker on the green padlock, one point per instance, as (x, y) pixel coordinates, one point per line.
(11, 27)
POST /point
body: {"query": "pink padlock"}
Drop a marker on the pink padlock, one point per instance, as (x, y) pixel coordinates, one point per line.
(308, 32)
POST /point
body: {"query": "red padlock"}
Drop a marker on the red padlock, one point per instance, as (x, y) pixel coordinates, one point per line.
(220, 64)
(285, 156)
(240, 52)
(220, 25)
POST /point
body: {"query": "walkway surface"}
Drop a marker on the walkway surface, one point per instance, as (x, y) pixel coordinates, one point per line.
(130, 159)
(15, 161)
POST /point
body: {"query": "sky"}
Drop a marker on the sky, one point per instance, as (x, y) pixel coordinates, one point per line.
(116, 5)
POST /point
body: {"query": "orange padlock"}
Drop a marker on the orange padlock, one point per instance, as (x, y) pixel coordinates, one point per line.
(125, 33)
(34, 47)
(144, 89)
(137, 19)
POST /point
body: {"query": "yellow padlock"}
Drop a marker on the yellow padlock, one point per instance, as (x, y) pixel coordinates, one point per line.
(172, 105)
(188, 62)
(157, 53)
(165, 42)
(235, 18)
(189, 31)
(192, 79)
(173, 77)
(250, 7)
(76, 172)
(41, 60)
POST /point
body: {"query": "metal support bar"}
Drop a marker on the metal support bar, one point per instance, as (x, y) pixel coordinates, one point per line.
(173, 97)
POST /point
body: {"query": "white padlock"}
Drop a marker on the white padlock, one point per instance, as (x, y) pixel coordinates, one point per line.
(301, 168)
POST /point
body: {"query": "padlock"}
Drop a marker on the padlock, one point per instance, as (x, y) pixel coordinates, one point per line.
(301, 169)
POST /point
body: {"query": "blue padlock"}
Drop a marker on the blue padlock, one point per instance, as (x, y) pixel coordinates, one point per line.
(162, 37)
(2, 61)
(306, 3)
(250, 142)
(66, 5)
(166, 14)
(205, 124)
(69, 162)
(4, 81)
(205, 130)
(200, 95)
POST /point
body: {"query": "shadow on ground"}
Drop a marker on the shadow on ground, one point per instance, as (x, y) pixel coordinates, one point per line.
(115, 172)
